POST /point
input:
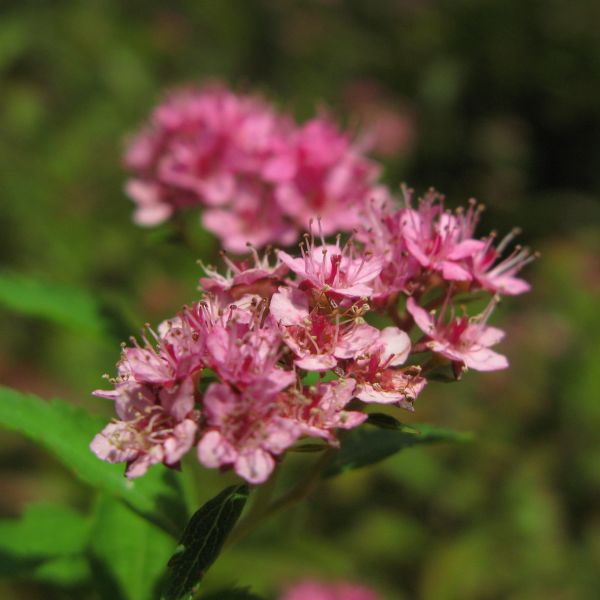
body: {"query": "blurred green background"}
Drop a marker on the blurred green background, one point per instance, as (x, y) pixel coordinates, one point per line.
(496, 99)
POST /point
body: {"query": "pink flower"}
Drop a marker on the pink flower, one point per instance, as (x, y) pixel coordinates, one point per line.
(382, 234)
(245, 431)
(315, 590)
(154, 427)
(438, 239)
(319, 173)
(319, 409)
(260, 177)
(498, 276)
(317, 342)
(244, 277)
(463, 340)
(244, 352)
(333, 269)
(208, 146)
(378, 379)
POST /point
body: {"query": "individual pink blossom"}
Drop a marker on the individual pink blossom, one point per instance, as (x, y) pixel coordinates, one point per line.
(378, 378)
(317, 339)
(252, 217)
(254, 275)
(320, 409)
(334, 269)
(463, 340)
(244, 352)
(153, 427)
(438, 239)
(382, 235)
(496, 275)
(316, 590)
(245, 431)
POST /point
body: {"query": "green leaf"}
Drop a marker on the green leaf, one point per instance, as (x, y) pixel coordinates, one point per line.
(61, 304)
(385, 421)
(128, 554)
(364, 446)
(45, 544)
(44, 531)
(314, 377)
(202, 541)
(67, 431)
(63, 571)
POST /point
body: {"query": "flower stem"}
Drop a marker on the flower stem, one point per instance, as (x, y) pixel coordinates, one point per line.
(261, 510)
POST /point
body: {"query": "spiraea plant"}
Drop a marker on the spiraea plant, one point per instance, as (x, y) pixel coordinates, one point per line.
(337, 306)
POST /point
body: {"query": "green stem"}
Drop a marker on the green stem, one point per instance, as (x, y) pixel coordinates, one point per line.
(300, 491)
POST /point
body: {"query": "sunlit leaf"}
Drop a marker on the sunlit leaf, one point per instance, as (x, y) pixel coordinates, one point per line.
(202, 541)
(364, 446)
(128, 554)
(67, 431)
(61, 304)
(44, 531)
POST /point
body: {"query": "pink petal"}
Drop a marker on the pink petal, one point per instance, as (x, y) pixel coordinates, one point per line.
(367, 393)
(490, 336)
(255, 466)
(396, 344)
(316, 362)
(289, 306)
(357, 341)
(214, 450)
(181, 441)
(178, 401)
(422, 318)
(466, 249)
(454, 272)
(485, 359)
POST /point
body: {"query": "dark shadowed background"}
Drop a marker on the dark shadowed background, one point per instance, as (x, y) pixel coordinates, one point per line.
(496, 99)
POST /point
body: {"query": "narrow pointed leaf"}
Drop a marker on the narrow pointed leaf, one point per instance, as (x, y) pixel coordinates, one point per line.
(66, 431)
(364, 446)
(385, 421)
(202, 541)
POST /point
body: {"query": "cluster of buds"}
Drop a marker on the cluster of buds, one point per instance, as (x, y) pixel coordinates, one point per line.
(257, 174)
(278, 350)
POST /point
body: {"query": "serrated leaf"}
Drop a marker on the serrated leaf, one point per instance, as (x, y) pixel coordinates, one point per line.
(61, 304)
(202, 541)
(127, 553)
(364, 446)
(67, 431)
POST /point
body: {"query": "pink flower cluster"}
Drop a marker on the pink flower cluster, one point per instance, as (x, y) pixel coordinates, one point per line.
(275, 352)
(258, 176)
(316, 590)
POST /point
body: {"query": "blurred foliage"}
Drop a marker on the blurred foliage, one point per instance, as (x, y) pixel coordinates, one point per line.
(503, 101)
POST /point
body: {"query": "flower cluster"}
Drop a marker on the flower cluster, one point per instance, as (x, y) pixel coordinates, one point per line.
(317, 590)
(277, 351)
(257, 174)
